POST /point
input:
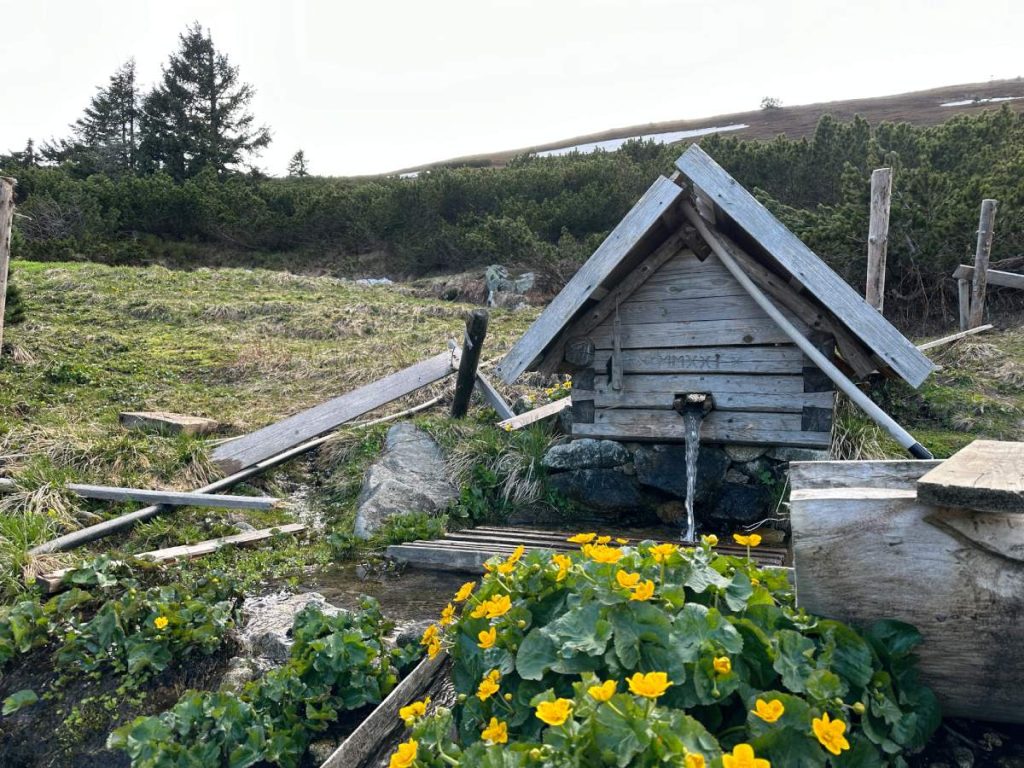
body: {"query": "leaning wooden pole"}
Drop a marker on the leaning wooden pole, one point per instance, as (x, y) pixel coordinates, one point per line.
(880, 417)
(476, 330)
(6, 222)
(986, 228)
(878, 236)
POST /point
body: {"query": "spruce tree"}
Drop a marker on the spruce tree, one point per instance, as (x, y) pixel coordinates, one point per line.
(197, 116)
(109, 126)
(297, 165)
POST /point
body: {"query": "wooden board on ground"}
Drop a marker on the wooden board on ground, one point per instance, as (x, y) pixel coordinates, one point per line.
(954, 337)
(866, 554)
(530, 417)
(275, 438)
(167, 423)
(987, 475)
(53, 581)
(173, 498)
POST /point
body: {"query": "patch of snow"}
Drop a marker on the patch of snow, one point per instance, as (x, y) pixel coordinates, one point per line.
(372, 282)
(610, 145)
(409, 175)
(966, 102)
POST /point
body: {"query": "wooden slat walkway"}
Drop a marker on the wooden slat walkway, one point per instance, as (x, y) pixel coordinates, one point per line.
(468, 550)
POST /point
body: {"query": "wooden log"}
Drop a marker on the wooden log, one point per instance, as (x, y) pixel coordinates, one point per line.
(878, 236)
(173, 498)
(6, 223)
(954, 337)
(866, 554)
(963, 290)
(987, 475)
(493, 397)
(901, 474)
(54, 580)
(472, 346)
(271, 440)
(995, 277)
(530, 417)
(786, 359)
(616, 249)
(384, 720)
(986, 228)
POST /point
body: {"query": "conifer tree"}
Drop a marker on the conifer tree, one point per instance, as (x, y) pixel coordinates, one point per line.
(297, 165)
(109, 125)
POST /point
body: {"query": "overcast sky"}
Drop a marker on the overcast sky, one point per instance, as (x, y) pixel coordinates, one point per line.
(367, 87)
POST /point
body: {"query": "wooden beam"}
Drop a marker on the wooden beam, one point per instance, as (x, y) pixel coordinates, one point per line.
(844, 303)
(524, 419)
(693, 334)
(173, 498)
(901, 474)
(472, 346)
(493, 397)
(986, 228)
(878, 236)
(6, 223)
(995, 277)
(987, 475)
(774, 402)
(54, 580)
(963, 290)
(775, 359)
(271, 440)
(641, 220)
(954, 337)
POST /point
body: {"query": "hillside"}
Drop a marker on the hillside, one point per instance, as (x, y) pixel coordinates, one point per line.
(921, 108)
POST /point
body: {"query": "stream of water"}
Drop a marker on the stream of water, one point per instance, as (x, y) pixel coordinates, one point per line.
(692, 418)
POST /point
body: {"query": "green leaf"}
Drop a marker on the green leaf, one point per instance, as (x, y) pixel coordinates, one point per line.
(536, 655)
(793, 659)
(893, 639)
(824, 684)
(738, 592)
(620, 735)
(790, 747)
(19, 700)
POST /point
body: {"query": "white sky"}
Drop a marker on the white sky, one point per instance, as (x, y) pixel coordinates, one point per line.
(368, 87)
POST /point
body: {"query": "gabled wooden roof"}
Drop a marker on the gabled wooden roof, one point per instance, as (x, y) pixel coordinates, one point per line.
(651, 226)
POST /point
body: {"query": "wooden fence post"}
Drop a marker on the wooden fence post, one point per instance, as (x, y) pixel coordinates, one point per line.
(878, 236)
(6, 220)
(476, 329)
(963, 289)
(986, 227)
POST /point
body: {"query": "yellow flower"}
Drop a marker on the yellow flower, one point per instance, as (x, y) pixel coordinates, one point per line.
(506, 568)
(554, 712)
(722, 665)
(830, 733)
(581, 538)
(650, 685)
(405, 755)
(413, 711)
(603, 540)
(489, 685)
(564, 563)
(496, 732)
(604, 691)
(711, 540)
(447, 615)
(160, 622)
(769, 711)
(743, 757)
(601, 553)
(510, 564)
(661, 552)
(643, 591)
(622, 541)
(429, 634)
(626, 579)
(433, 648)
(752, 540)
(464, 592)
(498, 606)
(693, 760)
(488, 638)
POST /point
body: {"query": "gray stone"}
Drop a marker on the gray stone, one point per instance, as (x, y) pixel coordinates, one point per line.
(242, 670)
(744, 453)
(735, 476)
(797, 454)
(267, 632)
(586, 453)
(664, 467)
(671, 512)
(321, 749)
(498, 280)
(736, 505)
(410, 476)
(411, 632)
(373, 282)
(605, 490)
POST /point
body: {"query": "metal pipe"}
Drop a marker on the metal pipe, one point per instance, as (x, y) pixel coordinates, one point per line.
(880, 417)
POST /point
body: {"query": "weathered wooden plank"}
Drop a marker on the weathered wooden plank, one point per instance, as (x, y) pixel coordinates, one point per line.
(954, 337)
(684, 310)
(705, 382)
(384, 720)
(804, 265)
(472, 346)
(493, 398)
(173, 498)
(640, 220)
(54, 580)
(524, 419)
(167, 423)
(963, 290)
(995, 277)
(6, 224)
(902, 474)
(987, 475)
(793, 402)
(275, 438)
(986, 228)
(782, 429)
(767, 360)
(698, 333)
(867, 554)
(878, 236)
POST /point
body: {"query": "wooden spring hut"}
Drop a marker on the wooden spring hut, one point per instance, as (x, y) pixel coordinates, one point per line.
(654, 314)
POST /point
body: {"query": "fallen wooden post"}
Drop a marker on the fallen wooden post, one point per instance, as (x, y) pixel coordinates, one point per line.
(6, 222)
(54, 581)
(878, 236)
(173, 498)
(493, 397)
(524, 419)
(472, 346)
(264, 443)
(986, 227)
(987, 475)
(954, 337)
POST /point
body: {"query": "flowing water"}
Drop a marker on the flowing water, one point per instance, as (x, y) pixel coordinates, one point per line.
(692, 417)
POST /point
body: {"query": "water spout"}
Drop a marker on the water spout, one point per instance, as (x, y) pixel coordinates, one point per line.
(693, 407)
